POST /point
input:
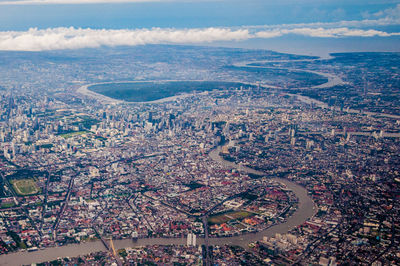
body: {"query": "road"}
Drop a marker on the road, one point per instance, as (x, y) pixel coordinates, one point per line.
(67, 197)
(304, 211)
(107, 246)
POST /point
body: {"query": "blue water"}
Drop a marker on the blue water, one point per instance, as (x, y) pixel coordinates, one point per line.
(319, 46)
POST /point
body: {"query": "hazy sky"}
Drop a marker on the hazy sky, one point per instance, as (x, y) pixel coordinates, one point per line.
(68, 24)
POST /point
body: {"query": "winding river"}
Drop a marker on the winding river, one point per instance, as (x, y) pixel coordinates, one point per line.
(306, 209)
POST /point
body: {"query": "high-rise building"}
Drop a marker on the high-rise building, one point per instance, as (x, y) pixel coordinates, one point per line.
(191, 240)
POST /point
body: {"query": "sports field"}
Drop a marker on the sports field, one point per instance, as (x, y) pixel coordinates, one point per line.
(72, 134)
(25, 187)
(223, 218)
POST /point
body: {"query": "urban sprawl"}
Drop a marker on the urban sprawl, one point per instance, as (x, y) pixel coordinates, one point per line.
(220, 177)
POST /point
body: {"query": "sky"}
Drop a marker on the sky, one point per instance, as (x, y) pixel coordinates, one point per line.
(306, 26)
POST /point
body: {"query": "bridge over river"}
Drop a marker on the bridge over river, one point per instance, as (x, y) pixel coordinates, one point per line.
(305, 210)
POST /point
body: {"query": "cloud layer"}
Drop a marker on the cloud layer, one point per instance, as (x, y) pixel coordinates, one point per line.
(72, 38)
(325, 33)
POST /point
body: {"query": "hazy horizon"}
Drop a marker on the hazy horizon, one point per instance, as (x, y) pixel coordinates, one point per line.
(310, 27)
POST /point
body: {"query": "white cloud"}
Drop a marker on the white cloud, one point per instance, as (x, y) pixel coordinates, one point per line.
(393, 12)
(324, 33)
(72, 38)
(338, 32)
(387, 17)
(386, 21)
(269, 34)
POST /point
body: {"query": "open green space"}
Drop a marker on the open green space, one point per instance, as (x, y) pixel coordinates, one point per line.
(151, 91)
(46, 146)
(72, 134)
(239, 226)
(228, 216)
(85, 121)
(25, 187)
(4, 205)
(194, 185)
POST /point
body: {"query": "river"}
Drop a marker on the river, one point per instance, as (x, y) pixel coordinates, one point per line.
(306, 209)
(332, 81)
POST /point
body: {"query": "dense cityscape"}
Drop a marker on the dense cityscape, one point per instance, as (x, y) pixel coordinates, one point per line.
(296, 164)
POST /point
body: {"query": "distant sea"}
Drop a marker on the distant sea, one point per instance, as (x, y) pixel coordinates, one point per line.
(319, 46)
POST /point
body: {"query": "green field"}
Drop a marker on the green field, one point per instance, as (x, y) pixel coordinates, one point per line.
(72, 134)
(7, 205)
(86, 122)
(25, 187)
(226, 217)
(151, 91)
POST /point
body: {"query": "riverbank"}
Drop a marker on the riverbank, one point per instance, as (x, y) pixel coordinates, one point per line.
(108, 100)
(152, 91)
(305, 210)
(91, 94)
